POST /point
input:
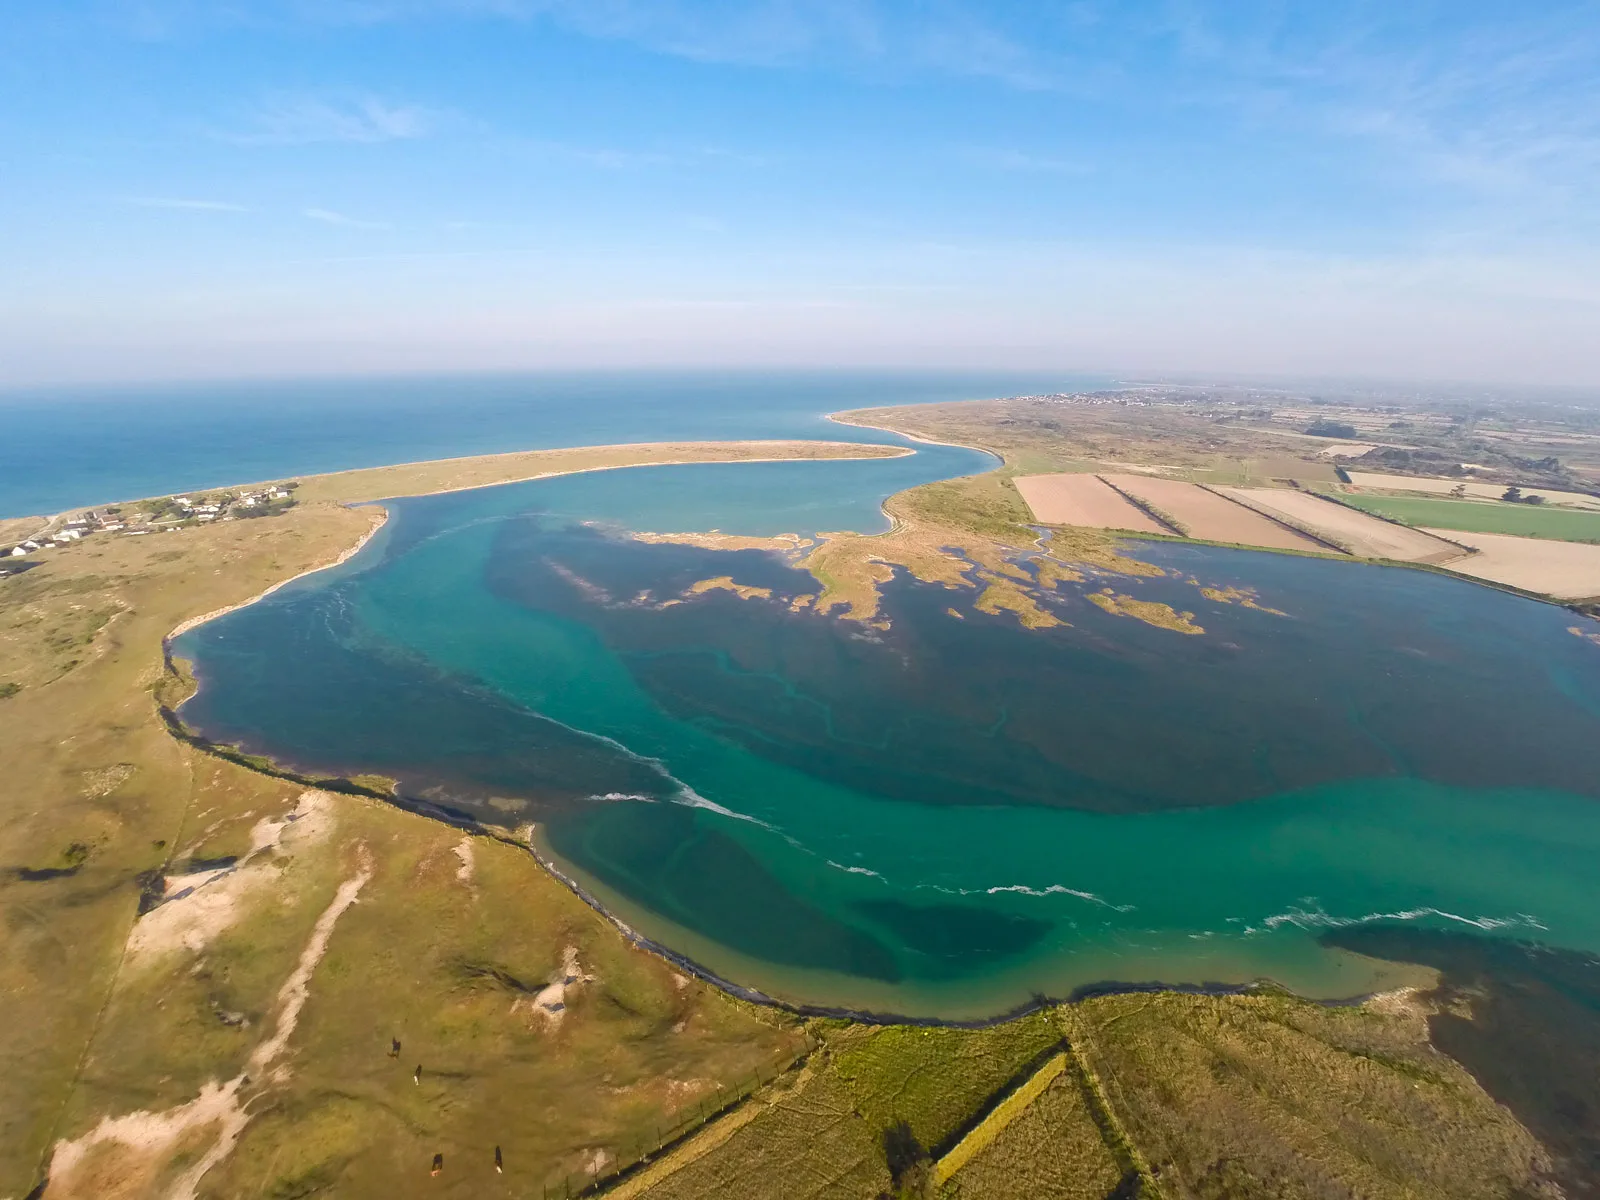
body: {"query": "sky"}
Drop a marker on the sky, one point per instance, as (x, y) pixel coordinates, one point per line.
(1244, 187)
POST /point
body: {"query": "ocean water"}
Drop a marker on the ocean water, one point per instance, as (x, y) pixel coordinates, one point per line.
(953, 815)
(72, 447)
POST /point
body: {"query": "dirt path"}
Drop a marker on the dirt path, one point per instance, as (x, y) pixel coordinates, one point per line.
(123, 1155)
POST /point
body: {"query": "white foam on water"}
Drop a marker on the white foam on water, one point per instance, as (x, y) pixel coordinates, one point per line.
(1057, 889)
(1318, 919)
(854, 870)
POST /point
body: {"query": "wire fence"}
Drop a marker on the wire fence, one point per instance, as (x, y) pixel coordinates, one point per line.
(647, 1148)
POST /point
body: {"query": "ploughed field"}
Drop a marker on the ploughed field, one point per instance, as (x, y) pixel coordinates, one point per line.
(1200, 512)
(1565, 570)
(1471, 488)
(1083, 500)
(1470, 537)
(1352, 531)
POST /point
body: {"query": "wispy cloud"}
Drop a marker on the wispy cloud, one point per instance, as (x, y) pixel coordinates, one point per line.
(303, 119)
(1000, 158)
(328, 217)
(185, 205)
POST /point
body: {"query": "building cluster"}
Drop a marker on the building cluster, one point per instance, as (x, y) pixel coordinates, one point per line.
(169, 515)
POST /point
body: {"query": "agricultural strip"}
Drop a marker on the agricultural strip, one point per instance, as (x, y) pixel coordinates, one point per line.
(1082, 500)
(990, 1128)
(1367, 537)
(1051, 1150)
(1266, 1095)
(1206, 514)
(1478, 491)
(1476, 516)
(1564, 570)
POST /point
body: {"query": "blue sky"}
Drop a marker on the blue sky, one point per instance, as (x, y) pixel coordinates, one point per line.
(1250, 187)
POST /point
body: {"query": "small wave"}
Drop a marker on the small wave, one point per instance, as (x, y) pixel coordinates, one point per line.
(1318, 919)
(627, 796)
(853, 870)
(690, 798)
(1057, 889)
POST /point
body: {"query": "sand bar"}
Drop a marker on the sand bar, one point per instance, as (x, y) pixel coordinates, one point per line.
(1564, 570)
(1082, 500)
(1216, 518)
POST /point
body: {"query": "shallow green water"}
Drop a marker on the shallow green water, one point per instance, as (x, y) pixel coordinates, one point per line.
(949, 816)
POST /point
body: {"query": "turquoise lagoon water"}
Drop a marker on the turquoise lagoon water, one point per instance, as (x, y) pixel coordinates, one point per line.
(949, 816)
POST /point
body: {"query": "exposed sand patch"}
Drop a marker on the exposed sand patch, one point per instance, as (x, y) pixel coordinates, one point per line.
(198, 906)
(463, 853)
(550, 1002)
(1565, 570)
(142, 1142)
(1082, 500)
(1576, 631)
(717, 540)
(102, 781)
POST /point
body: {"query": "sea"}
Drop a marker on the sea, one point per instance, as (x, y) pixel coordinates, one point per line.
(940, 814)
(70, 447)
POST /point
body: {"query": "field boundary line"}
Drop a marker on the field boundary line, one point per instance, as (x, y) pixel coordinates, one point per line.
(1281, 522)
(1123, 1148)
(1466, 551)
(1013, 1106)
(1148, 509)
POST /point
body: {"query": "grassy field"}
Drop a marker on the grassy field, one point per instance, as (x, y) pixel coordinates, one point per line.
(873, 1107)
(1243, 1096)
(1474, 516)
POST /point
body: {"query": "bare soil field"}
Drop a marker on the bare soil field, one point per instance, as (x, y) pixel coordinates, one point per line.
(1565, 570)
(1478, 491)
(1366, 536)
(1205, 514)
(1081, 500)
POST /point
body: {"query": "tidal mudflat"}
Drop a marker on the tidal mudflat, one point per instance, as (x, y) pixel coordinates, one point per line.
(938, 811)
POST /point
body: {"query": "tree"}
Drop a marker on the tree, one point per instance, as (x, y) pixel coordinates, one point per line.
(1459, 491)
(1512, 495)
(1323, 427)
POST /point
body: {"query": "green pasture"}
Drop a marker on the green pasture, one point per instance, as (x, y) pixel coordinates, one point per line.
(1478, 516)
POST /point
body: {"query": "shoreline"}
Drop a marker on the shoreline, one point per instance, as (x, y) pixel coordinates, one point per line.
(898, 452)
(345, 555)
(191, 623)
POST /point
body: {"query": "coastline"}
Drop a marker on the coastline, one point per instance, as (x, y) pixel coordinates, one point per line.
(354, 474)
(195, 622)
(344, 556)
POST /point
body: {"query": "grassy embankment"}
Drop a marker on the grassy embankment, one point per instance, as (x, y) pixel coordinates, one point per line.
(1473, 516)
(1164, 1095)
(100, 802)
